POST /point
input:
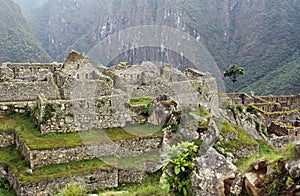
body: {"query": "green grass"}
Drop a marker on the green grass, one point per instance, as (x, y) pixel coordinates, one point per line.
(202, 112)
(224, 126)
(149, 187)
(140, 101)
(7, 192)
(35, 140)
(243, 137)
(134, 161)
(269, 153)
(19, 167)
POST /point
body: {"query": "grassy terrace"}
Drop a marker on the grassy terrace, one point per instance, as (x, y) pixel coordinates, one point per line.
(35, 140)
(32, 137)
(18, 165)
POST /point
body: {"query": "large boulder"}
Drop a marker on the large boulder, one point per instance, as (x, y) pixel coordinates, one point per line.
(210, 172)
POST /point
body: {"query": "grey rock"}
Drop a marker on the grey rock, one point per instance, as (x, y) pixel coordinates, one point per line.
(210, 172)
(293, 168)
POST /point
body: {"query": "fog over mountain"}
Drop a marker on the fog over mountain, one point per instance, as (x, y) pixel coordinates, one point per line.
(17, 41)
(261, 36)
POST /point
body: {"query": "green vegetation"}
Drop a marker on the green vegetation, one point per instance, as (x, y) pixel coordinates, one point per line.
(35, 140)
(202, 112)
(149, 187)
(146, 101)
(286, 112)
(73, 189)
(17, 41)
(269, 153)
(140, 101)
(133, 161)
(19, 166)
(6, 189)
(179, 164)
(243, 138)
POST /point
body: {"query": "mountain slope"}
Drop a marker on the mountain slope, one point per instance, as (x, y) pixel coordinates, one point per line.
(17, 41)
(261, 36)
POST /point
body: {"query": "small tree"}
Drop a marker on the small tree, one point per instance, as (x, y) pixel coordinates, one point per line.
(233, 71)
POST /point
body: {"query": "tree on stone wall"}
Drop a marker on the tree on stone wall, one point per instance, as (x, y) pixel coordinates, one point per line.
(232, 72)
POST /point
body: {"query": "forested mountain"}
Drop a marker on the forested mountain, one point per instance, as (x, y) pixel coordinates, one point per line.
(17, 41)
(261, 36)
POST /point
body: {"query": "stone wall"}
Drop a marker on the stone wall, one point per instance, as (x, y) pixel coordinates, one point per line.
(7, 138)
(93, 181)
(23, 148)
(75, 115)
(17, 107)
(80, 89)
(292, 102)
(122, 148)
(28, 91)
(30, 71)
(241, 98)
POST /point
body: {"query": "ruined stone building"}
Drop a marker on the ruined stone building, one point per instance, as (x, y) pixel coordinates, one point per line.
(76, 96)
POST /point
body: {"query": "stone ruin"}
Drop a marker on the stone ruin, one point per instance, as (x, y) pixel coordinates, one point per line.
(282, 115)
(78, 96)
(75, 96)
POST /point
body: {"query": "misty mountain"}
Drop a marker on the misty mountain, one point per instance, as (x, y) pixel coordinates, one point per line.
(261, 36)
(27, 6)
(17, 41)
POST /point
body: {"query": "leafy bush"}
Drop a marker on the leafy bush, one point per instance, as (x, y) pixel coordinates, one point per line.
(179, 164)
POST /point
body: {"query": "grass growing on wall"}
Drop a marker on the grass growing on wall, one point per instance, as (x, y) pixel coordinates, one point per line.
(140, 101)
(35, 140)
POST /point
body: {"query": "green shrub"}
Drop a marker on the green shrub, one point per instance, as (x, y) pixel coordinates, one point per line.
(179, 164)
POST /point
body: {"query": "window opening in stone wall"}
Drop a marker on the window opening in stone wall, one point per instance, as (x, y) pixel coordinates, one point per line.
(86, 76)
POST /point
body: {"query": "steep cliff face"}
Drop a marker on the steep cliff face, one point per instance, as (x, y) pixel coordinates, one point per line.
(261, 36)
(17, 41)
